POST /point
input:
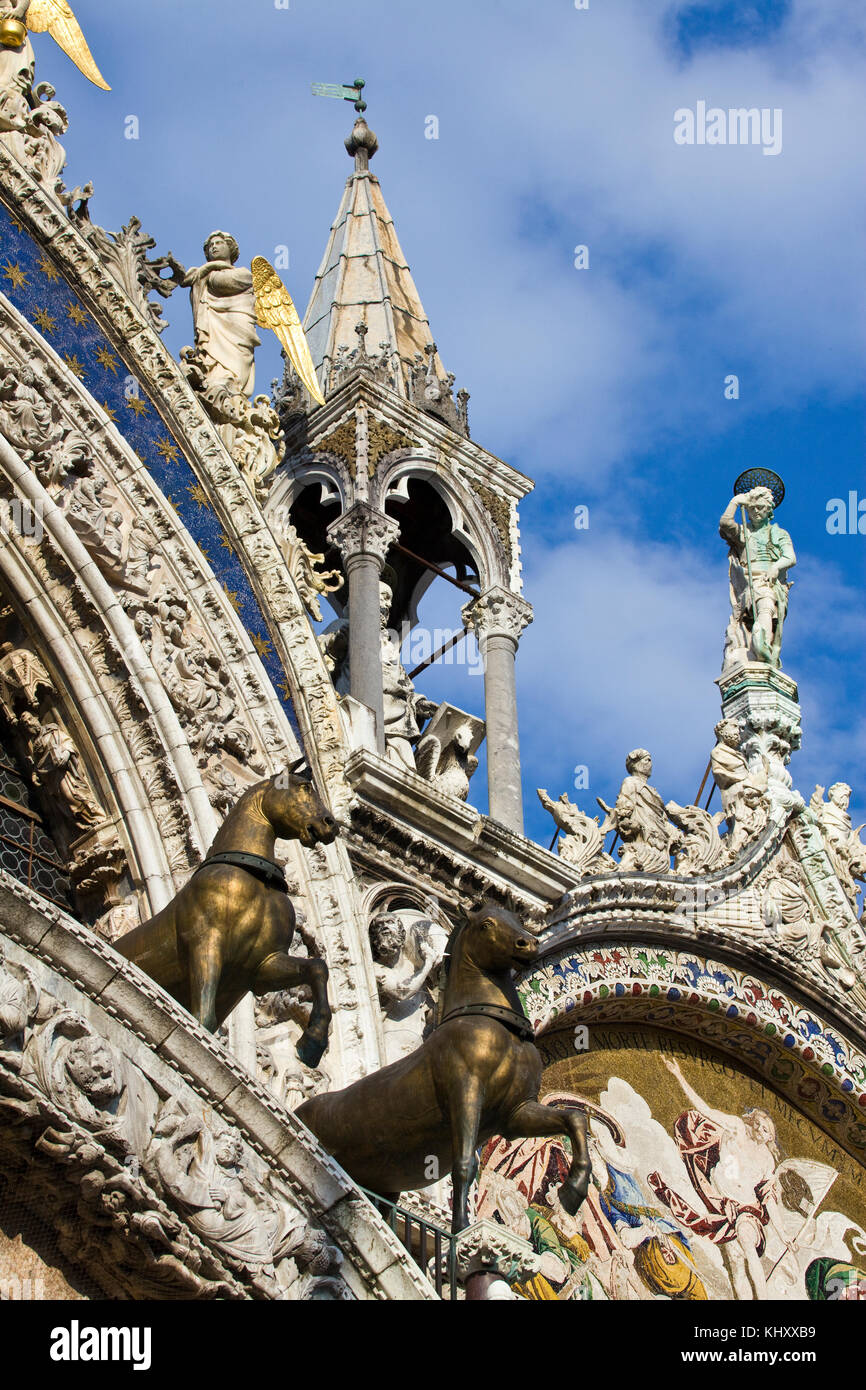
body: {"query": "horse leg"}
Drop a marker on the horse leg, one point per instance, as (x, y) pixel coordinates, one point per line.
(281, 971)
(464, 1108)
(205, 968)
(534, 1121)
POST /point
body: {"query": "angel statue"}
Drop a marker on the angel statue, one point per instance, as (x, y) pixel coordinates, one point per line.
(229, 302)
(19, 18)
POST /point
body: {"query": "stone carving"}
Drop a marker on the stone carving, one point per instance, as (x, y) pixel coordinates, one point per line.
(99, 528)
(23, 678)
(229, 1206)
(699, 849)
(640, 818)
(405, 956)
(303, 565)
(761, 554)
(846, 850)
(787, 908)
(364, 531)
(753, 811)
(445, 755)
(57, 767)
(430, 393)
(120, 918)
(582, 843)
(124, 255)
(729, 766)
(227, 1228)
(19, 1000)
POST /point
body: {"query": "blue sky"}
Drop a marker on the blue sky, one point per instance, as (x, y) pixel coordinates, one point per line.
(605, 384)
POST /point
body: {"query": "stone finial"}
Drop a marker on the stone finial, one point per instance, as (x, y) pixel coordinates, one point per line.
(361, 144)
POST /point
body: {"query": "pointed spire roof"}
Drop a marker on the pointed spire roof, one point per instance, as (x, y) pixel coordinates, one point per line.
(364, 279)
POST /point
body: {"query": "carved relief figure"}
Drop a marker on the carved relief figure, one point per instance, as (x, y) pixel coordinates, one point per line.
(57, 767)
(405, 957)
(22, 678)
(761, 554)
(303, 565)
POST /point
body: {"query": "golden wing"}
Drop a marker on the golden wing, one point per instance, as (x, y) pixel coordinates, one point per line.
(57, 18)
(275, 310)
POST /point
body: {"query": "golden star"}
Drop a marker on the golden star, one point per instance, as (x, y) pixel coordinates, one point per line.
(107, 360)
(232, 596)
(110, 412)
(14, 273)
(203, 551)
(49, 270)
(169, 450)
(76, 367)
(226, 543)
(198, 494)
(77, 314)
(43, 320)
(261, 644)
(171, 502)
(136, 404)
(284, 690)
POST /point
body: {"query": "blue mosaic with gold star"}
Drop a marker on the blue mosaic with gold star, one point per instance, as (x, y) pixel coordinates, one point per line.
(35, 285)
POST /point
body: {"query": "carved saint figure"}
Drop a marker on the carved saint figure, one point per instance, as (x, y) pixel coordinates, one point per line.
(761, 553)
(751, 817)
(404, 960)
(57, 767)
(18, 1001)
(844, 846)
(729, 766)
(640, 817)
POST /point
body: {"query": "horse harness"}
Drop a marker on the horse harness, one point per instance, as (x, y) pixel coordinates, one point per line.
(509, 1018)
(269, 872)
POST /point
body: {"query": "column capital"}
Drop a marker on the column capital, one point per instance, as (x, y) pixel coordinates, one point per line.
(363, 530)
(488, 1248)
(498, 613)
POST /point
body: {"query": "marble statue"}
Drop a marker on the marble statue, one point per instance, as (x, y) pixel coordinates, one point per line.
(224, 314)
(404, 959)
(640, 818)
(445, 754)
(844, 846)
(57, 767)
(759, 603)
(729, 766)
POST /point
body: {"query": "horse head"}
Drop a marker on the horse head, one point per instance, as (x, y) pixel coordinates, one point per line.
(296, 810)
(496, 939)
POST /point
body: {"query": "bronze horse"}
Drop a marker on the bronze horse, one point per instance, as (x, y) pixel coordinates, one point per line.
(229, 928)
(477, 1075)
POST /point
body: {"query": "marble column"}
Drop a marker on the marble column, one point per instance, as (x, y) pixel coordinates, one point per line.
(363, 537)
(498, 618)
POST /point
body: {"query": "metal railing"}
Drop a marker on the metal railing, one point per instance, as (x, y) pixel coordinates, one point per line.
(433, 1249)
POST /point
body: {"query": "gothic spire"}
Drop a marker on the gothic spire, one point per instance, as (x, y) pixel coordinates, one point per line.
(364, 289)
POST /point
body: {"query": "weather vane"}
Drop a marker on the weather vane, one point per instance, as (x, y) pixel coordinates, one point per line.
(343, 92)
(55, 17)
